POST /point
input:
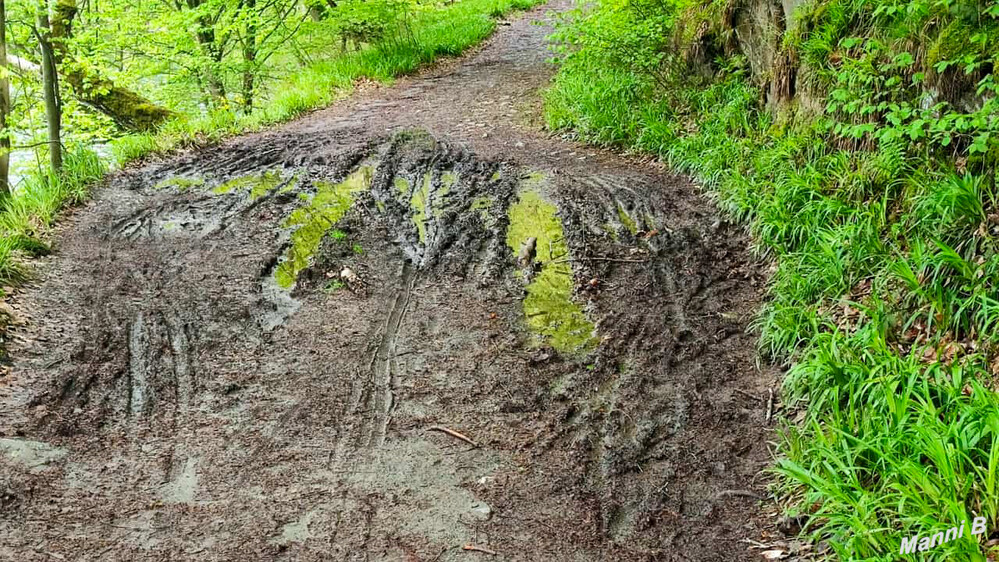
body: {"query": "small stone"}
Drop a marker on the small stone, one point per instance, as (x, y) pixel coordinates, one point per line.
(348, 275)
(481, 511)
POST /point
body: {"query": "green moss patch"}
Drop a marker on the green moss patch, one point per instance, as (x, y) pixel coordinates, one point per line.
(448, 181)
(626, 220)
(314, 220)
(419, 203)
(257, 184)
(402, 187)
(481, 205)
(548, 307)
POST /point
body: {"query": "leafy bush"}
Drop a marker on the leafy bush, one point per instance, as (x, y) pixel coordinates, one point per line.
(366, 21)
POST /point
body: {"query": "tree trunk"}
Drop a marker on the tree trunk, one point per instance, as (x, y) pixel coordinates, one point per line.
(205, 36)
(128, 109)
(4, 105)
(50, 88)
(215, 87)
(249, 54)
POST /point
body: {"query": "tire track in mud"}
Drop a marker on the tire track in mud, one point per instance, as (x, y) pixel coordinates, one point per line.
(372, 397)
(246, 424)
(138, 366)
(155, 376)
(412, 167)
(384, 364)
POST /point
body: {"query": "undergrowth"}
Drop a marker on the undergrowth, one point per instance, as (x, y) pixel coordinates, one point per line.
(26, 215)
(879, 210)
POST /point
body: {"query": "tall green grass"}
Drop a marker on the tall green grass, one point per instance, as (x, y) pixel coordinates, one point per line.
(427, 35)
(884, 303)
(26, 214)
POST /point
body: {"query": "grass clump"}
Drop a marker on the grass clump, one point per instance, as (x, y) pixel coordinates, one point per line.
(880, 211)
(28, 212)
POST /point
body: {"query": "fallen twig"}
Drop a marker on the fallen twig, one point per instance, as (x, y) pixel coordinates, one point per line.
(473, 548)
(453, 433)
(754, 544)
(748, 394)
(770, 405)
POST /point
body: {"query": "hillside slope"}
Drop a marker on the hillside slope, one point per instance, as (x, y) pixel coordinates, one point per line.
(858, 141)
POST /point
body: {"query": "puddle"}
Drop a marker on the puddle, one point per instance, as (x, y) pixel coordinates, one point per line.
(548, 307)
(32, 455)
(419, 202)
(257, 184)
(296, 531)
(184, 486)
(282, 304)
(315, 219)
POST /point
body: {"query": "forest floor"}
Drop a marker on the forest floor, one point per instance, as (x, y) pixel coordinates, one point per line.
(168, 399)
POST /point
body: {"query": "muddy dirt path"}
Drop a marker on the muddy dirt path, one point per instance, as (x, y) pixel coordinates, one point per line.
(253, 352)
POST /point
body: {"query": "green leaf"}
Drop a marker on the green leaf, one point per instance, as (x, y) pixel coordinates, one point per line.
(980, 144)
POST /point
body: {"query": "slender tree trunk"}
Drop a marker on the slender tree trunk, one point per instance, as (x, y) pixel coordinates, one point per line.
(249, 54)
(50, 87)
(205, 36)
(4, 104)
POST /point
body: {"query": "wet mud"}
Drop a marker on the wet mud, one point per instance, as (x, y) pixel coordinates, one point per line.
(248, 352)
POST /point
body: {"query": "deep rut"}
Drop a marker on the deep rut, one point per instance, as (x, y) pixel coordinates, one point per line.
(385, 368)
(198, 380)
